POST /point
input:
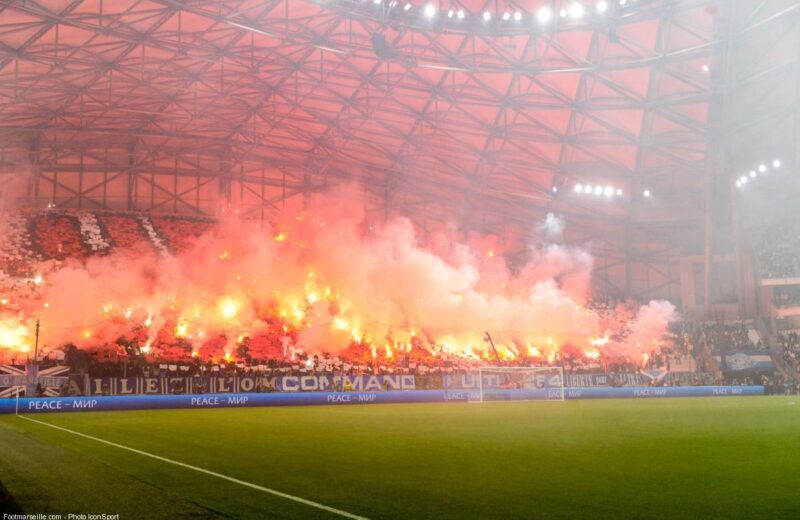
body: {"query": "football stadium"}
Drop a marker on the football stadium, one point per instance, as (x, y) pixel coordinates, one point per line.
(399, 259)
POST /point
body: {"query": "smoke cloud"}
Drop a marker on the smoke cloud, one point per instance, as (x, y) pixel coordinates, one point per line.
(324, 280)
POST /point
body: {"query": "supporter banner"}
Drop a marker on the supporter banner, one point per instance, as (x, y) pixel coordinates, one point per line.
(604, 379)
(6, 380)
(25, 379)
(244, 383)
(747, 362)
(470, 380)
(146, 402)
(507, 380)
(655, 375)
(318, 383)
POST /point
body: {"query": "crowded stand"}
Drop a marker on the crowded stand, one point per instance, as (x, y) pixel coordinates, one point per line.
(124, 231)
(32, 237)
(732, 337)
(789, 345)
(785, 296)
(182, 348)
(17, 254)
(95, 372)
(179, 232)
(58, 236)
(778, 250)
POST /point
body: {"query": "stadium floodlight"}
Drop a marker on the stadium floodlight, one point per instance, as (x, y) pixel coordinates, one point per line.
(487, 16)
(579, 188)
(588, 188)
(450, 13)
(506, 16)
(576, 10)
(738, 183)
(598, 190)
(407, 6)
(544, 15)
(705, 67)
(519, 384)
(376, 2)
(623, 2)
(563, 13)
(609, 191)
(602, 6)
(430, 11)
(646, 193)
(753, 174)
(762, 168)
(776, 163)
(517, 16)
(460, 14)
(743, 179)
(619, 192)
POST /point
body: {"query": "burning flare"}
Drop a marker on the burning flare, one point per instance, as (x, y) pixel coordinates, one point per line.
(328, 281)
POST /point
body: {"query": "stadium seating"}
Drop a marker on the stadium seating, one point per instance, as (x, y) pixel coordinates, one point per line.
(124, 231)
(786, 296)
(778, 250)
(789, 344)
(57, 236)
(178, 232)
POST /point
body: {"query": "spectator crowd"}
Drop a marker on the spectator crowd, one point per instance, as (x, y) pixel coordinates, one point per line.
(778, 250)
(56, 235)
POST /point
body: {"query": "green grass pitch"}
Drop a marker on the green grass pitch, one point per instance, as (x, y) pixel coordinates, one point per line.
(658, 458)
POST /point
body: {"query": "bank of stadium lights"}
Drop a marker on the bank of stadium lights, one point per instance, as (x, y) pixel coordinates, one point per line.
(755, 172)
(574, 10)
(597, 190)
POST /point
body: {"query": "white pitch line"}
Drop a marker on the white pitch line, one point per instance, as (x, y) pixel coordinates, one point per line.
(277, 493)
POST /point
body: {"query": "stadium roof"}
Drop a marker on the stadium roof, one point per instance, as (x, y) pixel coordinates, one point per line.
(163, 105)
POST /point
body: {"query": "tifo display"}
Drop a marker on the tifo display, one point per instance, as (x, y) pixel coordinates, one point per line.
(236, 311)
(324, 280)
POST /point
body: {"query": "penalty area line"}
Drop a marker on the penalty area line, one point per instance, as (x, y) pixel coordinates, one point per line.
(244, 483)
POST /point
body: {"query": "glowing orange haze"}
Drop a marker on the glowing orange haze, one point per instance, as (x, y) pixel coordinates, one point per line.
(332, 280)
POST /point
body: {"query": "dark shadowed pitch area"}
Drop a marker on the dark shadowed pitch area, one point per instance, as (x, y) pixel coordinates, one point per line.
(670, 458)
